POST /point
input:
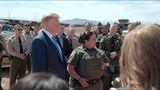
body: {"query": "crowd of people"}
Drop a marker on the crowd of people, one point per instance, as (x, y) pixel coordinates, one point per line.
(49, 59)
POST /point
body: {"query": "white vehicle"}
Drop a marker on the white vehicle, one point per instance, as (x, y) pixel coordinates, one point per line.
(6, 31)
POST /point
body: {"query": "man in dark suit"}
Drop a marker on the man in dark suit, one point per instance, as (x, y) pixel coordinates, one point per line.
(73, 40)
(62, 41)
(46, 54)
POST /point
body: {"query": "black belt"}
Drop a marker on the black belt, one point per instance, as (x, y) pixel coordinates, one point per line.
(93, 81)
(17, 58)
(90, 82)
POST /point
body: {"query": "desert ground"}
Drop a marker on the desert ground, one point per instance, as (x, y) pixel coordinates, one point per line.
(80, 30)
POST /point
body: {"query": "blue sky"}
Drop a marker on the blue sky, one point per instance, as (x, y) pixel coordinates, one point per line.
(145, 11)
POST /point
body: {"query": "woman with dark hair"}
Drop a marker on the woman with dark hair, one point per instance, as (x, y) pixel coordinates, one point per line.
(40, 81)
(86, 65)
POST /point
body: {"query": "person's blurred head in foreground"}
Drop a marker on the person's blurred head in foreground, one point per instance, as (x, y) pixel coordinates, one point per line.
(40, 81)
(140, 58)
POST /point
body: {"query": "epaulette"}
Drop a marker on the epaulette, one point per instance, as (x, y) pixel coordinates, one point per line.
(103, 38)
(79, 47)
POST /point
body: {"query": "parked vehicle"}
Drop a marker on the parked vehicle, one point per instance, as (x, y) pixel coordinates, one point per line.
(6, 31)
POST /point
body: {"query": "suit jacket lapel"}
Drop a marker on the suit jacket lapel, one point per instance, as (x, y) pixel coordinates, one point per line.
(49, 41)
(63, 55)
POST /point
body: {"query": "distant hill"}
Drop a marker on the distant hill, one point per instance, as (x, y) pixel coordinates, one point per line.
(79, 21)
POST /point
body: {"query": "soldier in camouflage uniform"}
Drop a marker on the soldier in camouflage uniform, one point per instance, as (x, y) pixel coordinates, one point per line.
(86, 65)
(3, 41)
(111, 44)
(18, 48)
(87, 27)
(104, 33)
(2, 52)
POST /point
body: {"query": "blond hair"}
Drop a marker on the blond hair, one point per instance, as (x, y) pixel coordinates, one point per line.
(140, 58)
(49, 16)
(17, 26)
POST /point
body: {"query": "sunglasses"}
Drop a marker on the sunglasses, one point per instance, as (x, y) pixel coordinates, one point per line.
(19, 29)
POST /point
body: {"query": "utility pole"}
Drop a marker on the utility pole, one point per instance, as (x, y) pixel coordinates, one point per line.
(9, 14)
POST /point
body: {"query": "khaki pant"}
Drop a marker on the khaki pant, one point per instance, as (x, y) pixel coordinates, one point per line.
(17, 70)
